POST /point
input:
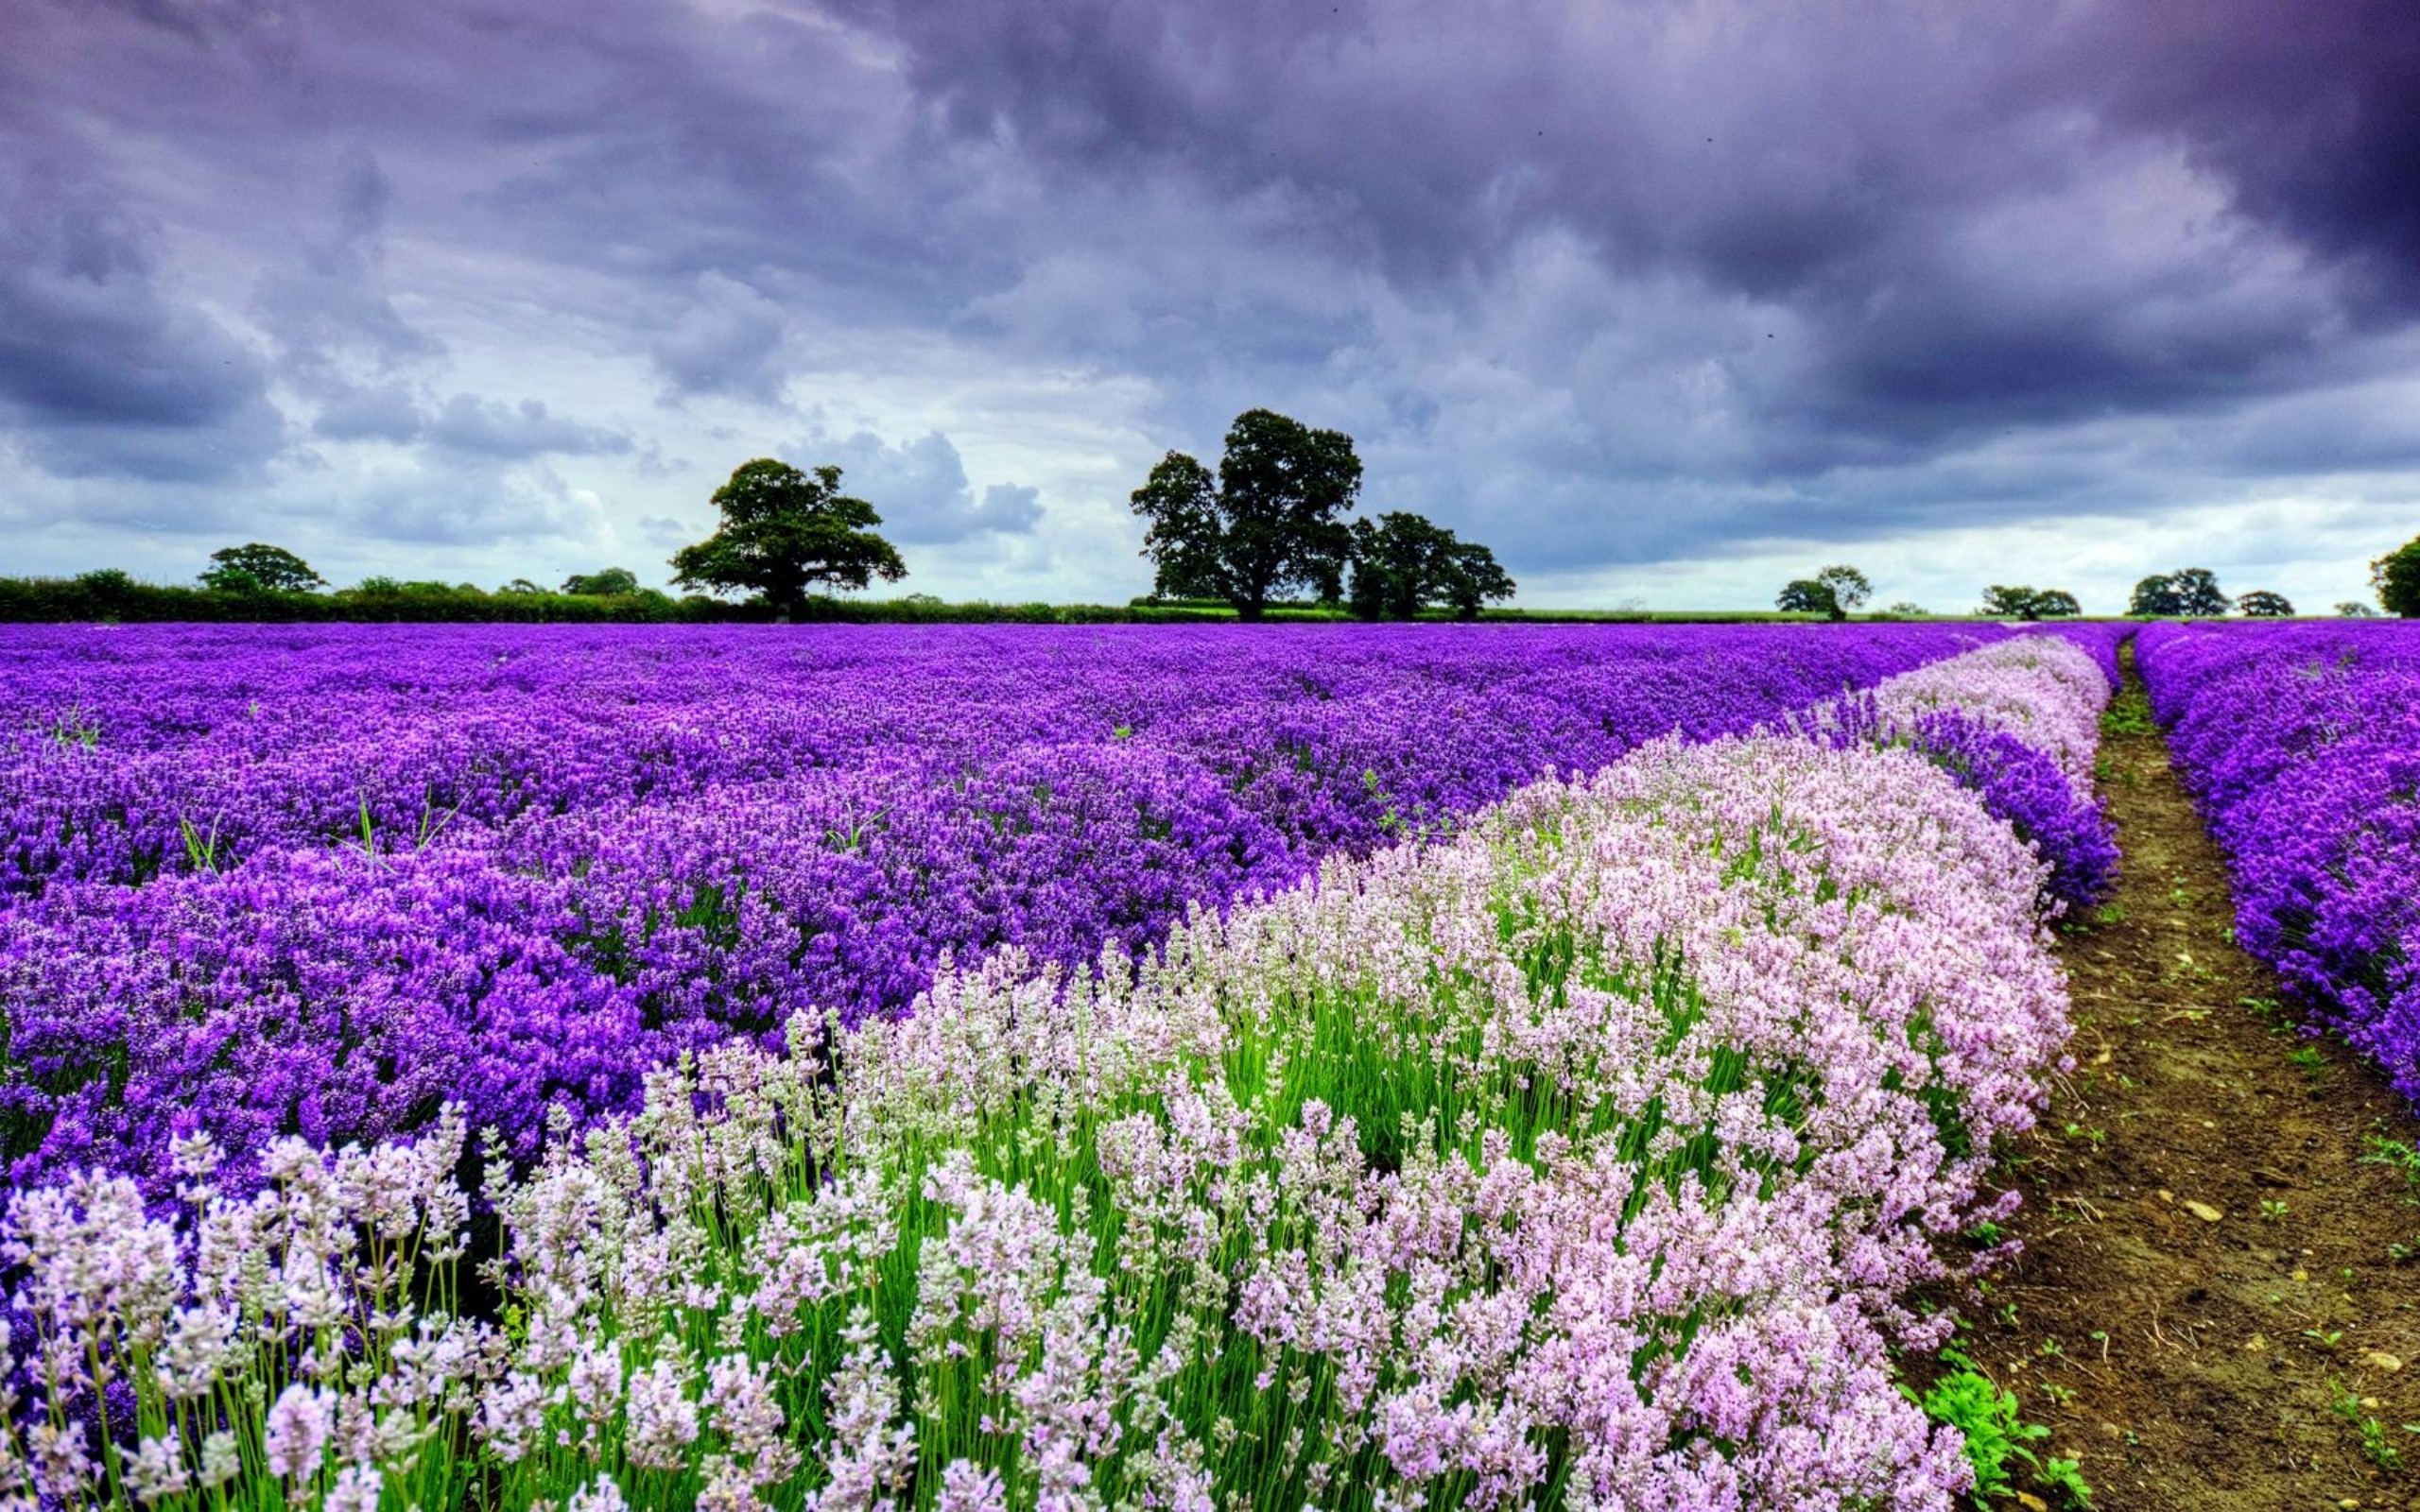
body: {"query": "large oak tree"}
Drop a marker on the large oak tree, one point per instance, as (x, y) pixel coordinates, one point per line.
(260, 568)
(2397, 579)
(784, 531)
(1268, 523)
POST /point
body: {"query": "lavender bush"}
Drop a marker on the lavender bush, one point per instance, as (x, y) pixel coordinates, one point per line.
(2302, 744)
(265, 881)
(2017, 722)
(1587, 1154)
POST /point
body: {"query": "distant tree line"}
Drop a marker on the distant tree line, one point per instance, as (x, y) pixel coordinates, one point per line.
(2025, 602)
(2193, 593)
(2189, 593)
(109, 595)
(1264, 533)
(1269, 522)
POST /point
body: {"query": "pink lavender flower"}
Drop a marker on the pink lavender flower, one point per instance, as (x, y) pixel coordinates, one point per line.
(299, 1425)
(1599, 1143)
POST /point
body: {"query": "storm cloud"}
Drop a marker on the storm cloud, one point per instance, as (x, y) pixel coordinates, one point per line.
(1647, 295)
(104, 368)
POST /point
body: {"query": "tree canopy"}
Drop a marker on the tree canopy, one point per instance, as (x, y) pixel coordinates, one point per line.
(1266, 525)
(2397, 579)
(2260, 603)
(1831, 593)
(783, 532)
(2023, 602)
(260, 568)
(1849, 587)
(2190, 592)
(1405, 563)
(604, 583)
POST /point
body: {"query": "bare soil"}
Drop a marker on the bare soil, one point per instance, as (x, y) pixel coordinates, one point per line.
(2211, 1304)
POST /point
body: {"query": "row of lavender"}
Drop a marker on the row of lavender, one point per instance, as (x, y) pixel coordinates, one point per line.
(1983, 718)
(1590, 1155)
(2302, 744)
(316, 881)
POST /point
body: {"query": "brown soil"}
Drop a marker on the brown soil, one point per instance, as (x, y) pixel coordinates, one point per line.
(2208, 1307)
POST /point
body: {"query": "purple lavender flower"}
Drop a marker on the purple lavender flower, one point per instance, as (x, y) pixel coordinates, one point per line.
(261, 880)
(2302, 744)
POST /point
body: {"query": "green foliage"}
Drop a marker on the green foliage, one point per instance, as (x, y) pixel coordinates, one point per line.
(1850, 588)
(428, 600)
(1831, 593)
(1269, 522)
(1997, 1435)
(2023, 602)
(603, 582)
(2128, 714)
(2188, 593)
(783, 532)
(1804, 595)
(75, 725)
(1404, 562)
(2396, 577)
(2382, 1150)
(2065, 1476)
(2376, 1447)
(2260, 603)
(2353, 608)
(2154, 595)
(259, 569)
(2199, 596)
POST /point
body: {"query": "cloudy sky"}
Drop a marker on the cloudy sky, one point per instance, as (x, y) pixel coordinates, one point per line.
(1665, 300)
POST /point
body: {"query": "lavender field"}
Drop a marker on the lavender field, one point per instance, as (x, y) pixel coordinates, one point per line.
(974, 1067)
(314, 882)
(2302, 744)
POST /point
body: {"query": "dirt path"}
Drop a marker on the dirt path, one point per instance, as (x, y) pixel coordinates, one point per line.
(2209, 1309)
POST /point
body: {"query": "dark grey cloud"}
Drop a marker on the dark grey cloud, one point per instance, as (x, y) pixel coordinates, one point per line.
(1600, 283)
(1853, 166)
(2310, 112)
(382, 412)
(1009, 508)
(329, 306)
(103, 367)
